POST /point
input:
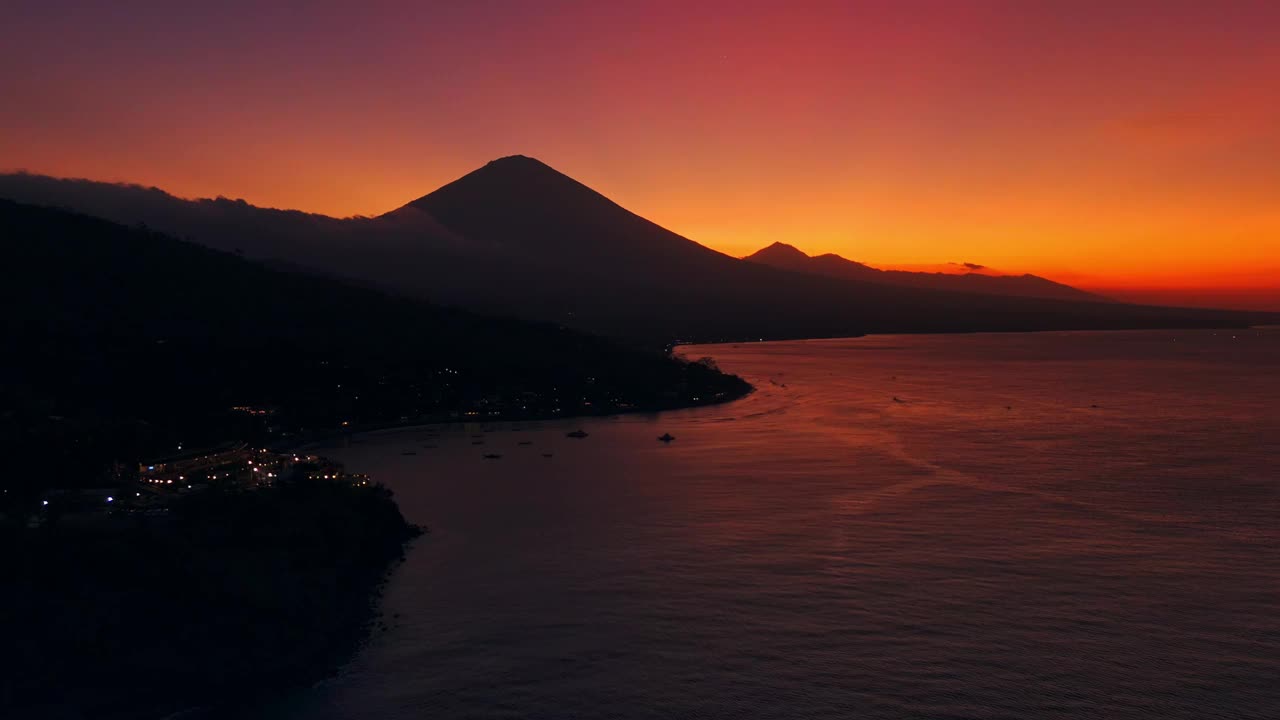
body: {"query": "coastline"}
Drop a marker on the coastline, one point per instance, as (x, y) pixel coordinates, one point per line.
(312, 656)
(321, 438)
(1269, 325)
(327, 437)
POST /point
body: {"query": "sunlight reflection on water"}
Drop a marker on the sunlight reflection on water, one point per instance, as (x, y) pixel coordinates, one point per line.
(1055, 525)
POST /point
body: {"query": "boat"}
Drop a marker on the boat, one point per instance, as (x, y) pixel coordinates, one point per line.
(577, 434)
(547, 455)
(408, 452)
(491, 456)
(666, 437)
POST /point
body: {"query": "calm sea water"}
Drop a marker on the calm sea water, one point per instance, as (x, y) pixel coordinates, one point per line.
(1071, 525)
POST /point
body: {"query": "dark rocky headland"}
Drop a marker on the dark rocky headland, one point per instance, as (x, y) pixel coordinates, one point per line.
(229, 594)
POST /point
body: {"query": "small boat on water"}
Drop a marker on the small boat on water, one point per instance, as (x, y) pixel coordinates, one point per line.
(547, 455)
(492, 456)
(477, 442)
(898, 399)
(525, 442)
(408, 452)
(666, 437)
(577, 434)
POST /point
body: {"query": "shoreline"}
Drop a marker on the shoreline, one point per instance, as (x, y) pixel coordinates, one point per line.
(327, 437)
(1053, 331)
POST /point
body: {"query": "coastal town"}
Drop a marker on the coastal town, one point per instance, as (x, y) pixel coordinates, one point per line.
(148, 493)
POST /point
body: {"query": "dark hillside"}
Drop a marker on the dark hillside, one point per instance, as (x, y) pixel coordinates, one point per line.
(126, 342)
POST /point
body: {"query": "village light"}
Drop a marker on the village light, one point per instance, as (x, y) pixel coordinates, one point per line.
(110, 499)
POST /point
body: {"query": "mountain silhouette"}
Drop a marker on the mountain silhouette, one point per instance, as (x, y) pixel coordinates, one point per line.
(517, 237)
(534, 211)
(789, 257)
(151, 340)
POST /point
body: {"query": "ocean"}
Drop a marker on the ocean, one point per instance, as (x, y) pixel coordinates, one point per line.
(1056, 525)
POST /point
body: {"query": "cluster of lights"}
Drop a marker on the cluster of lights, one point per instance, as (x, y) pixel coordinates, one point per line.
(110, 499)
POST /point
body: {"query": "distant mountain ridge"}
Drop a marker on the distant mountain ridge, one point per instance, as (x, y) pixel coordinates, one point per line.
(518, 237)
(789, 257)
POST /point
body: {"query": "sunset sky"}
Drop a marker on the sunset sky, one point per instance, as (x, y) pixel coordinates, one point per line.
(1111, 144)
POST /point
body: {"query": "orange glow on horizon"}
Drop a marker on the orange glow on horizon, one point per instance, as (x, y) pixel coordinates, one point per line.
(1110, 145)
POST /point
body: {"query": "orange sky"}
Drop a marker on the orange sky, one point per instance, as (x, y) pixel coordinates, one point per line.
(1112, 144)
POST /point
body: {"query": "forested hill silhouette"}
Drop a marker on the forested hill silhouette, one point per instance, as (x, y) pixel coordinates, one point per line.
(125, 343)
(518, 237)
(788, 257)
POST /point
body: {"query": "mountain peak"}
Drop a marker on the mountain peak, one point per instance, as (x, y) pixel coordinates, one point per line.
(517, 160)
(543, 215)
(519, 173)
(515, 178)
(778, 251)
